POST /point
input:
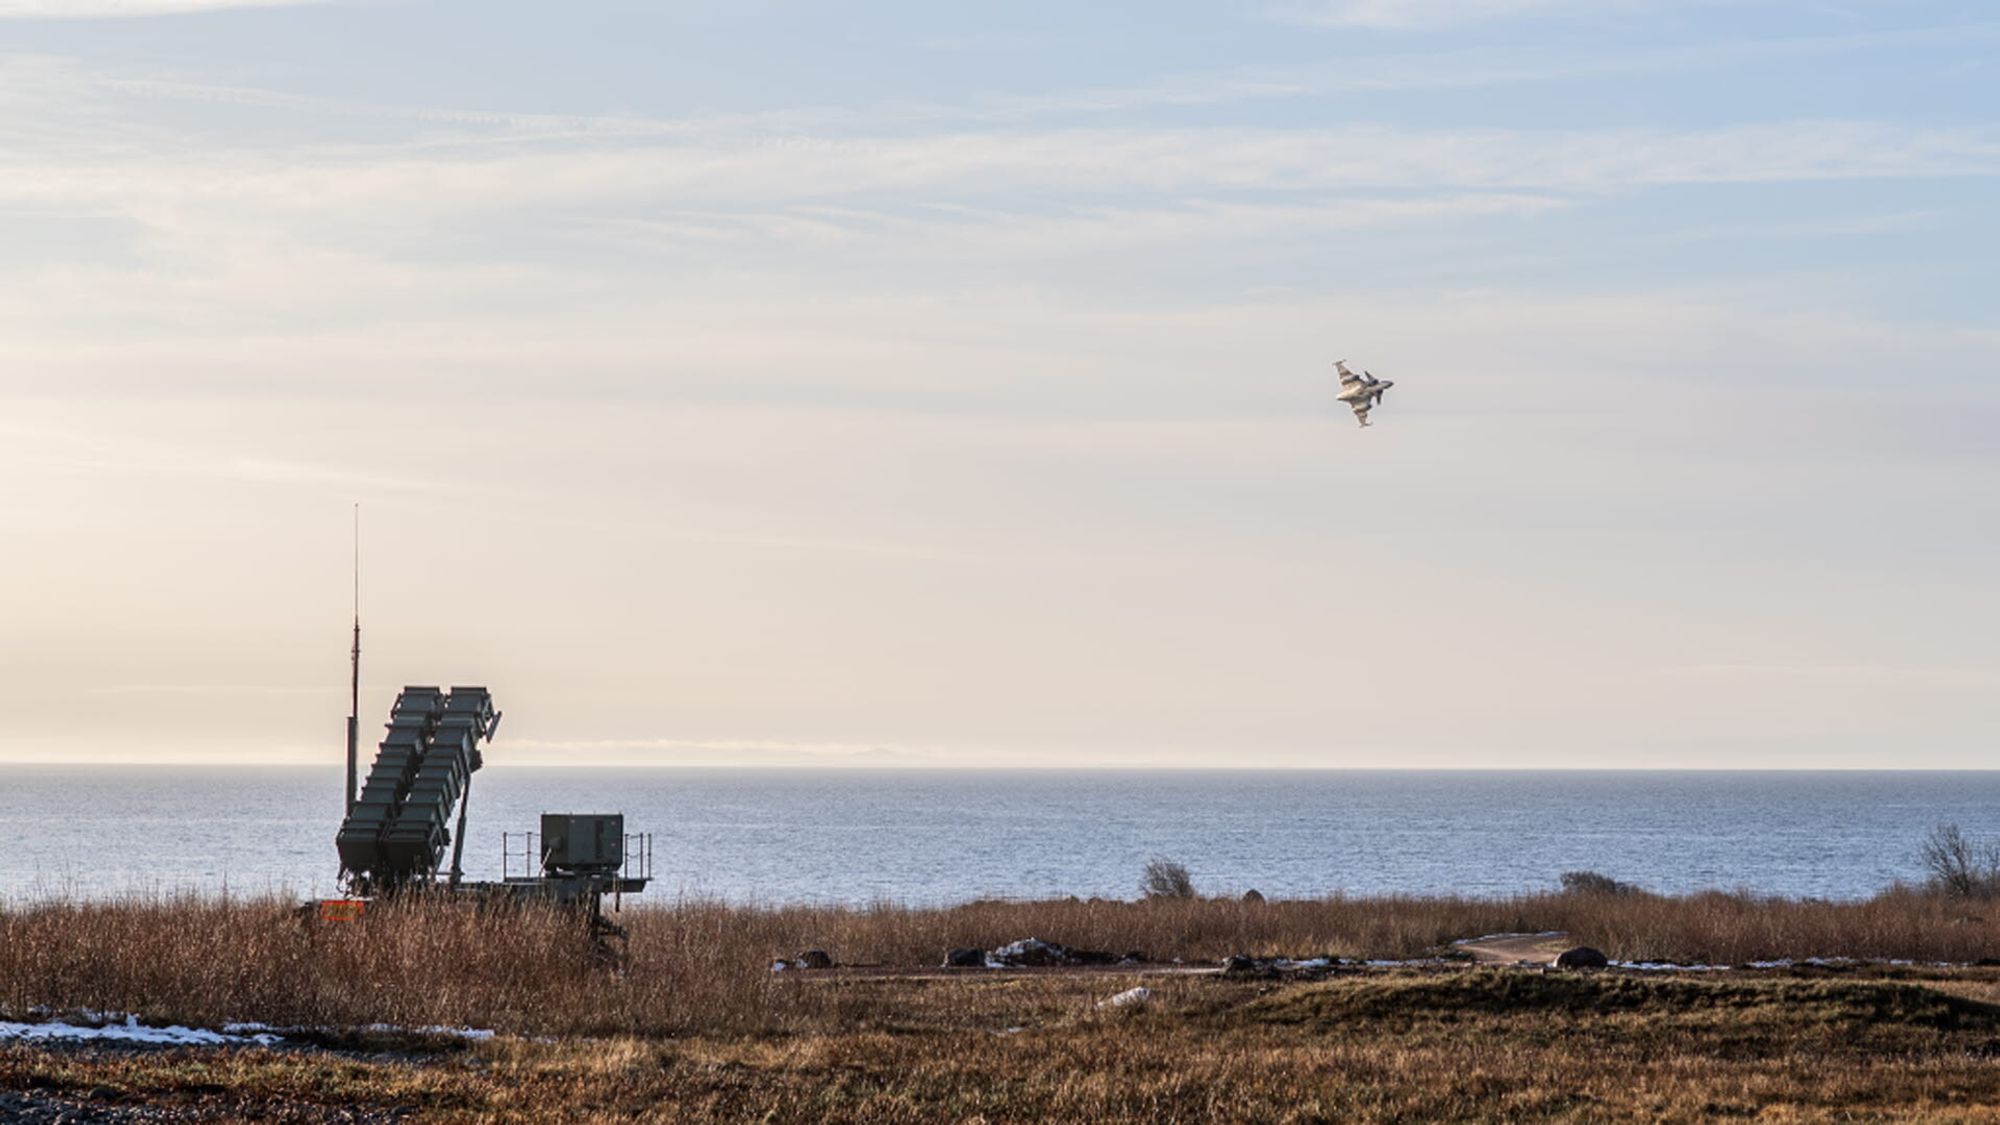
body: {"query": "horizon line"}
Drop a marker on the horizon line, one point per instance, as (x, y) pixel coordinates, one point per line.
(869, 767)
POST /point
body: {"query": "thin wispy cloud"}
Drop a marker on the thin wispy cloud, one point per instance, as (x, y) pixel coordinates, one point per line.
(716, 752)
(329, 182)
(237, 689)
(1851, 676)
(1436, 14)
(129, 9)
(1865, 224)
(1460, 68)
(42, 449)
(998, 234)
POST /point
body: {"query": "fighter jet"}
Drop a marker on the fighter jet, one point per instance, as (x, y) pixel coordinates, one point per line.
(1362, 392)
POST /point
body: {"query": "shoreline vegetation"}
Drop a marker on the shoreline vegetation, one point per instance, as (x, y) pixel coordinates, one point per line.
(698, 966)
(692, 1023)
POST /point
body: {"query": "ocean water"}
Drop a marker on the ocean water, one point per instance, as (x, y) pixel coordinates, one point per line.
(776, 836)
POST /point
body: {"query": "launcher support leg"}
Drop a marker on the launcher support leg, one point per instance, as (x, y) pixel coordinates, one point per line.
(458, 838)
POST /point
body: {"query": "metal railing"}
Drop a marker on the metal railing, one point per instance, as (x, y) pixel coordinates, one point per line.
(637, 858)
(530, 855)
(638, 855)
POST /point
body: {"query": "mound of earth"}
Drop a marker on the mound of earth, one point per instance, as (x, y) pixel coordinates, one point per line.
(1677, 1000)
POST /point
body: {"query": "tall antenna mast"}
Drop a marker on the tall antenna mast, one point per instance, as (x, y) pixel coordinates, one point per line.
(354, 682)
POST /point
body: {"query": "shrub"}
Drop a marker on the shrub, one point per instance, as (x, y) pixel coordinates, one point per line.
(1592, 883)
(1165, 879)
(1957, 868)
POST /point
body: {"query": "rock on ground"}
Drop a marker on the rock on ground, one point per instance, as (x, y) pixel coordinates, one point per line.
(1131, 997)
(1582, 957)
(1033, 953)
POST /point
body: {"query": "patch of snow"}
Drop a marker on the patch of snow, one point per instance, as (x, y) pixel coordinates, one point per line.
(131, 1031)
(1843, 962)
(1315, 963)
(264, 1032)
(1668, 967)
(476, 1034)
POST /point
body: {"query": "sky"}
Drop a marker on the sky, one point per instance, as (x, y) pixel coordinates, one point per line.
(913, 384)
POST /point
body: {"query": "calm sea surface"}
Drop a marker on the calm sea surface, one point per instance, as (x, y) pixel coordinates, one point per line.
(935, 837)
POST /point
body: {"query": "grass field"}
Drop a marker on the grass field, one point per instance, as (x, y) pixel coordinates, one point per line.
(695, 1027)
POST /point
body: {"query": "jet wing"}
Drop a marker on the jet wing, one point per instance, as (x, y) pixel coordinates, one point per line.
(1347, 378)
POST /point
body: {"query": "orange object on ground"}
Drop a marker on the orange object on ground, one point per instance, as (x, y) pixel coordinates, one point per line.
(342, 909)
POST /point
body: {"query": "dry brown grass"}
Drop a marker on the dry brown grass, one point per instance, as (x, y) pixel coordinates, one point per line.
(699, 967)
(697, 1029)
(1456, 1045)
(209, 962)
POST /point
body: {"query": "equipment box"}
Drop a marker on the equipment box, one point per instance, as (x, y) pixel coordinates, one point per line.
(583, 841)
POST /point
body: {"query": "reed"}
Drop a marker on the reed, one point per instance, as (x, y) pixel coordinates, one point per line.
(702, 966)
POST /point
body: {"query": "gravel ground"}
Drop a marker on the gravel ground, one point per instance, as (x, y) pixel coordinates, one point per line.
(105, 1105)
(108, 1107)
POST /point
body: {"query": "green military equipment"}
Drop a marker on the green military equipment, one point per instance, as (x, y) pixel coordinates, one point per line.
(398, 828)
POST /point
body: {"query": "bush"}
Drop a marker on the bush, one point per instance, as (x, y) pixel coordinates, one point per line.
(1957, 868)
(1591, 883)
(1165, 879)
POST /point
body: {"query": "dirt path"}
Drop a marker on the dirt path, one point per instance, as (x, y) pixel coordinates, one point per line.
(1512, 949)
(885, 972)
